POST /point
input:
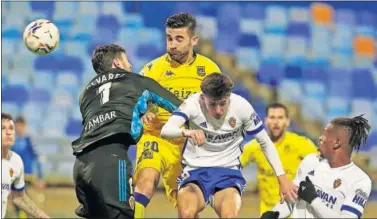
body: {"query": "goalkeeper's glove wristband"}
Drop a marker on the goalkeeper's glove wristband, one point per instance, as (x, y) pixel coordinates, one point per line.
(307, 191)
(270, 215)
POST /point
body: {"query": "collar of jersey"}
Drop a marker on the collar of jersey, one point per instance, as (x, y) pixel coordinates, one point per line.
(171, 61)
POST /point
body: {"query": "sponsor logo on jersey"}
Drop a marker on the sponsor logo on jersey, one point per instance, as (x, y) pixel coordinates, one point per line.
(201, 71)
(337, 183)
(326, 197)
(360, 198)
(221, 138)
(232, 122)
(169, 73)
(100, 119)
(181, 93)
(11, 172)
(5, 186)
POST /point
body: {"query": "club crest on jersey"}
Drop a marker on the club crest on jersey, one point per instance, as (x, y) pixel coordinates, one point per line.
(232, 122)
(200, 70)
(337, 183)
(11, 172)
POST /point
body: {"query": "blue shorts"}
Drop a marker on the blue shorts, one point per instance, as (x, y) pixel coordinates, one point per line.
(213, 179)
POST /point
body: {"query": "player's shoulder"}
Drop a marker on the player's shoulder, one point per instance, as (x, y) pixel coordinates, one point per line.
(240, 105)
(155, 64)
(193, 98)
(312, 159)
(202, 60)
(15, 159)
(294, 137)
(359, 176)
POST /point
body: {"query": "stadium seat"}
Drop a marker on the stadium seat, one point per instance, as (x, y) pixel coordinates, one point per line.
(363, 106)
(365, 86)
(53, 127)
(229, 23)
(33, 111)
(11, 108)
(45, 80)
(147, 51)
(296, 50)
(16, 94)
(298, 14)
(270, 74)
(11, 33)
(341, 60)
(366, 18)
(290, 90)
(113, 8)
(64, 10)
(45, 7)
(46, 63)
(253, 11)
(73, 127)
(293, 72)
(248, 58)
(338, 105)
(88, 9)
(63, 99)
(315, 89)
(313, 109)
(39, 96)
(276, 19)
(76, 114)
(187, 7)
(133, 21)
(345, 16)
(322, 13)
(71, 63)
(272, 46)
(9, 46)
(250, 26)
(227, 42)
(68, 81)
(127, 33)
(152, 36)
(315, 73)
(364, 46)
(249, 40)
(299, 29)
(18, 78)
(207, 27)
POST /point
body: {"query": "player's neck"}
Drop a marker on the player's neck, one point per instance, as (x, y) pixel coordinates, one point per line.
(4, 153)
(278, 139)
(339, 161)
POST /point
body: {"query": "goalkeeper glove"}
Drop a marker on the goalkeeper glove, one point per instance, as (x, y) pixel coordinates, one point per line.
(307, 191)
(270, 215)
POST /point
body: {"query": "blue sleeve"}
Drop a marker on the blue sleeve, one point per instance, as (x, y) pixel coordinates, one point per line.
(161, 102)
(35, 159)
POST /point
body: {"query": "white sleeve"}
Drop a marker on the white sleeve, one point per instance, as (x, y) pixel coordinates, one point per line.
(19, 182)
(172, 128)
(353, 206)
(252, 122)
(269, 150)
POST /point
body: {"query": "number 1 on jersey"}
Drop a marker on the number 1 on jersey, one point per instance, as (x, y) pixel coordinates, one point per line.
(104, 90)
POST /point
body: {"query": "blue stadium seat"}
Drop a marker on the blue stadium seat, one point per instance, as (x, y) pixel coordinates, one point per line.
(133, 21)
(33, 111)
(72, 64)
(125, 34)
(159, 10)
(299, 29)
(227, 42)
(145, 51)
(89, 10)
(270, 74)
(108, 21)
(113, 8)
(226, 22)
(253, 11)
(290, 90)
(187, 7)
(4, 80)
(293, 72)
(44, 80)
(340, 88)
(343, 37)
(342, 60)
(45, 7)
(295, 52)
(315, 89)
(319, 74)
(363, 84)
(207, 27)
(345, 16)
(9, 46)
(54, 126)
(76, 114)
(338, 106)
(313, 109)
(276, 19)
(63, 11)
(249, 26)
(273, 46)
(73, 127)
(366, 31)
(298, 14)
(12, 33)
(63, 99)
(68, 81)
(152, 36)
(366, 18)
(11, 108)
(40, 95)
(15, 94)
(18, 78)
(249, 40)
(46, 63)
(248, 58)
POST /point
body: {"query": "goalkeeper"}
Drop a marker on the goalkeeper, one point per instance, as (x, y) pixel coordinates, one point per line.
(292, 149)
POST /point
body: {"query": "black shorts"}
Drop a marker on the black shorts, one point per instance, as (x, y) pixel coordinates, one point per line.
(102, 181)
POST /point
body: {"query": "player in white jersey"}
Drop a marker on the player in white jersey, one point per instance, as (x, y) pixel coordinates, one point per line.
(330, 184)
(217, 121)
(12, 173)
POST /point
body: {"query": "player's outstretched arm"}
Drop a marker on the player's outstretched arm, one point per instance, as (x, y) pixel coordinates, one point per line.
(172, 128)
(21, 200)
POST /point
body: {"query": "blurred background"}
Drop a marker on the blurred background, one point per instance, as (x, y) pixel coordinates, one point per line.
(318, 58)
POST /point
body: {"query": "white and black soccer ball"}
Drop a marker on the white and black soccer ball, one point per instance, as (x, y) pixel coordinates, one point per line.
(41, 37)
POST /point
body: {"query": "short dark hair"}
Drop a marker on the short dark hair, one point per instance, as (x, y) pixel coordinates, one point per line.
(182, 20)
(20, 119)
(103, 56)
(358, 129)
(6, 116)
(217, 85)
(277, 106)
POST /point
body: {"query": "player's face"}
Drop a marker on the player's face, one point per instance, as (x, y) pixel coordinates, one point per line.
(20, 128)
(179, 43)
(123, 62)
(7, 133)
(327, 141)
(217, 108)
(277, 122)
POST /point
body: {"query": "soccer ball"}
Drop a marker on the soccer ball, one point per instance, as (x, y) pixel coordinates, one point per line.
(41, 36)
